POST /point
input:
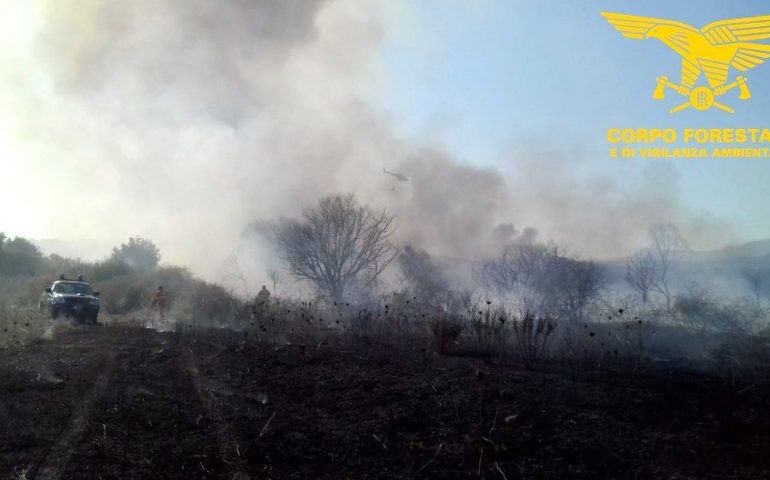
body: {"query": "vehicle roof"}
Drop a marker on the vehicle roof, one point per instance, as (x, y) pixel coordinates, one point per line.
(70, 281)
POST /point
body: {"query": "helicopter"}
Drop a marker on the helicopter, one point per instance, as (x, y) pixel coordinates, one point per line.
(399, 176)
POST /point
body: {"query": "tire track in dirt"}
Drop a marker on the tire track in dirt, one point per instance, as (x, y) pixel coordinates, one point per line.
(226, 439)
(61, 452)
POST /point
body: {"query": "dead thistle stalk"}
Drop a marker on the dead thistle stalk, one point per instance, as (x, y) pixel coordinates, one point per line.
(266, 425)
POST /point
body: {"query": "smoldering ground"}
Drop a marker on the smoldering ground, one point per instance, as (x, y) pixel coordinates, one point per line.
(186, 121)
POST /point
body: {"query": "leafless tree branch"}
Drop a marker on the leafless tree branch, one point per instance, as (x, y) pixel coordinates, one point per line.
(337, 243)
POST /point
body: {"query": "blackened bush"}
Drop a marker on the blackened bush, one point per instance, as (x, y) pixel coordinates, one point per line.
(533, 335)
(446, 331)
(701, 312)
(490, 327)
(362, 325)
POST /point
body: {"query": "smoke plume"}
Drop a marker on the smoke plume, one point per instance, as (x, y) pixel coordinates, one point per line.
(186, 121)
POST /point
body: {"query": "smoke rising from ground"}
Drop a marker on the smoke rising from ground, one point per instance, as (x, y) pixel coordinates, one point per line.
(184, 121)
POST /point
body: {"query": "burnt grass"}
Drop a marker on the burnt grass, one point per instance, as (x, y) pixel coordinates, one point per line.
(210, 406)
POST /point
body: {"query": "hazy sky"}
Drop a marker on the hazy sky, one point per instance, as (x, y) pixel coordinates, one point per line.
(185, 120)
(489, 73)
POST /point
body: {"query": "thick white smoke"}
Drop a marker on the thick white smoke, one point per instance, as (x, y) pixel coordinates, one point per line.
(183, 121)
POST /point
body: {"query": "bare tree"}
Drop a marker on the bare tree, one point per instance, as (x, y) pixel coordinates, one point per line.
(547, 279)
(496, 274)
(668, 246)
(576, 284)
(337, 243)
(649, 270)
(235, 275)
(641, 272)
(526, 265)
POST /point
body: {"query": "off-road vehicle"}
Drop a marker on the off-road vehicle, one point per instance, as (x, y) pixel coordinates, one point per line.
(71, 298)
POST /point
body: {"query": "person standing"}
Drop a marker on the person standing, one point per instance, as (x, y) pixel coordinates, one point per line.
(263, 297)
(159, 301)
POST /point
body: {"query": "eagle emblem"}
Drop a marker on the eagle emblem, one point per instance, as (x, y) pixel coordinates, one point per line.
(711, 51)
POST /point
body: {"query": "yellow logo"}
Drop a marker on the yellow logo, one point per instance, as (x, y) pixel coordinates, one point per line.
(711, 50)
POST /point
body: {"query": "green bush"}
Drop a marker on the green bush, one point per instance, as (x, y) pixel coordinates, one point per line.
(139, 253)
(19, 257)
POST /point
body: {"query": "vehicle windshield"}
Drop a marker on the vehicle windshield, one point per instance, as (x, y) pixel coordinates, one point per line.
(83, 288)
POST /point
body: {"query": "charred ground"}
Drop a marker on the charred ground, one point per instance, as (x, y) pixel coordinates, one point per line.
(128, 402)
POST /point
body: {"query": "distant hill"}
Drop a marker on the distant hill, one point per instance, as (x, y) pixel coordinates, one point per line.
(743, 253)
(759, 248)
(719, 269)
(722, 263)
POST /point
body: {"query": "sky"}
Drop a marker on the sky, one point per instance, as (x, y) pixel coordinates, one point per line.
(489, 74)
(186, 121)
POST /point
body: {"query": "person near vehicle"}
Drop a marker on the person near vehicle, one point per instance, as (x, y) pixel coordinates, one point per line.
(159, 301)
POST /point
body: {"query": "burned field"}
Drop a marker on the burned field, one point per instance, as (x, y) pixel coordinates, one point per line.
(347, 240)
(549, 367)
(128, 402)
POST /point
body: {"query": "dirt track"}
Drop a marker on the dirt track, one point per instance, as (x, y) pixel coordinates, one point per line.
(131, 403)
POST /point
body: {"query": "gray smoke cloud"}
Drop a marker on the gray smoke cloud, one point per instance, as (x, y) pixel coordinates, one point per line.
(185, 121)
(604, 212)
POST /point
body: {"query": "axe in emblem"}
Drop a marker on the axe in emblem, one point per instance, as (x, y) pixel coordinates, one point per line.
(702, 98)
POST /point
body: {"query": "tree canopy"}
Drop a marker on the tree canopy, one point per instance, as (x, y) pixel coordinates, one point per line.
(138, 253)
